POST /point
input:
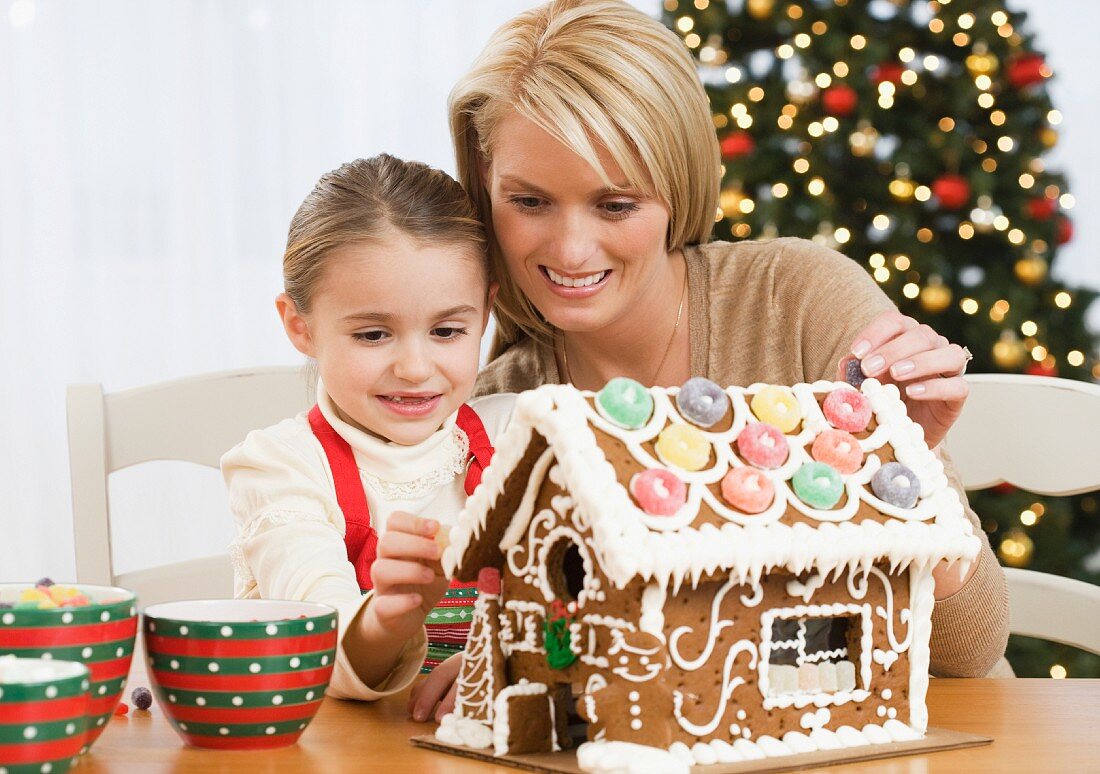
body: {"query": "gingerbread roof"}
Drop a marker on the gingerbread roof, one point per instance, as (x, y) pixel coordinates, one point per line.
(707, 535)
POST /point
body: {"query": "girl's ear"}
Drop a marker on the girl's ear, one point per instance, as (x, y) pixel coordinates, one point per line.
(493, 288)
(295, 325)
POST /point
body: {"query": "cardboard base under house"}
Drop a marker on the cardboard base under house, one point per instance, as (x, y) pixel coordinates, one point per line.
(566, 761)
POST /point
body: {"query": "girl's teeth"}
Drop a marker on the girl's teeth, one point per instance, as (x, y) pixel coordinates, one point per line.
(574, 282)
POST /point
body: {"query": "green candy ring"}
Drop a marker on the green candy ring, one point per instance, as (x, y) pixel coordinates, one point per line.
(625, 402)
(818, 485)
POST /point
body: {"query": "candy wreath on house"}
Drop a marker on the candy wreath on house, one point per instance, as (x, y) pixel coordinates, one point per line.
(729, 574)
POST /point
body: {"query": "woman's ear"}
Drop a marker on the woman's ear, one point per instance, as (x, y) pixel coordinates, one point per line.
(295, 324)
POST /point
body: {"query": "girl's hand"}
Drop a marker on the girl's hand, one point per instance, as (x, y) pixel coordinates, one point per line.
(925, 366)
(438, 688)
(407, 576)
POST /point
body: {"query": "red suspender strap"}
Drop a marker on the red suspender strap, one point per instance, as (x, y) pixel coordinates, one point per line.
(360, 537)
(481, 450)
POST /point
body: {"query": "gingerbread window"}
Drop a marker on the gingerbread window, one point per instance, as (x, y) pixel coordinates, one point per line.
(814, 650)
(565, 570)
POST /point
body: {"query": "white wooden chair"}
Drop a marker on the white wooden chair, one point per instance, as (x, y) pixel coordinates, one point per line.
(196, 419)
(1041, 434)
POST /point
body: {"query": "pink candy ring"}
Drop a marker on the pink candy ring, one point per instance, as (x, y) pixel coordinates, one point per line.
(658, 492)
(847, 409)
(748, 490)
(838, 449)
(763, 445)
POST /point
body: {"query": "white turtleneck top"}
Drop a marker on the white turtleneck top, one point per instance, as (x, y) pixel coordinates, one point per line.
(290, 529)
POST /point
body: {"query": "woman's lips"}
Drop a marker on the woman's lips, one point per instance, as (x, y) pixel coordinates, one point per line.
(577, 292)
(410, 406)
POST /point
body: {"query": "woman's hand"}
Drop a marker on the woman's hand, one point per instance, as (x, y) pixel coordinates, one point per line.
(925, 366)
(438, 688)
(407, 576)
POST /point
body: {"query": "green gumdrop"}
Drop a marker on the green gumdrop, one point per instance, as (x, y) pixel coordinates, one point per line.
(818, 485)
(625, 402)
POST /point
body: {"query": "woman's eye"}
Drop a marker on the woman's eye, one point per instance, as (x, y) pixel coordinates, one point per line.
(372, 337)
(448, 333)
(526, 202)
(620, 209)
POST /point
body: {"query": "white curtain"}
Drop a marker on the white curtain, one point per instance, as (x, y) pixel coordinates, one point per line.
(151, 155)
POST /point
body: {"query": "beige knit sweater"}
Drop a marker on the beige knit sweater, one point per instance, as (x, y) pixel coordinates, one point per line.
(783, 312)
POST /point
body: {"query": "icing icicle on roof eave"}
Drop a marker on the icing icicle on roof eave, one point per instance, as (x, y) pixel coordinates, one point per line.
(669, 550)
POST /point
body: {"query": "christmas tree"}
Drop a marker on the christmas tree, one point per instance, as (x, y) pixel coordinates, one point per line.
(910, 136)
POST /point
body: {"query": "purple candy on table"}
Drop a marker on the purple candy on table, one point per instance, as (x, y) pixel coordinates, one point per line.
(47, 582)
(853, 372)
(142, 698)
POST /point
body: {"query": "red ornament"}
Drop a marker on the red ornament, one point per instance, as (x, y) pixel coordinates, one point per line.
(1064, 230)
(1038, 369)
(887, 71)
(953, 191)
(1004, 488)
(736, 145)
(1040, 208)
(1027, 70)
(839, 100)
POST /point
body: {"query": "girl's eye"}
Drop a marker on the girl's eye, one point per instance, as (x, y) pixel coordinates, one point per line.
(448, 333)
(372, 337)
(619, 209)
(526, 202)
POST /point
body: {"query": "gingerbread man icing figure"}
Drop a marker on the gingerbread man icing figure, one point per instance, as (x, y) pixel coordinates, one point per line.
(636, 704)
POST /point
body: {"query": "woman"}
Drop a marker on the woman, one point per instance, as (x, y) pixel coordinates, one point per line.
(585, 139)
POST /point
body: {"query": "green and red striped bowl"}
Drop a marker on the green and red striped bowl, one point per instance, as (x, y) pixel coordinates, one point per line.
(43, 714)
(100, 636)
(240, 674)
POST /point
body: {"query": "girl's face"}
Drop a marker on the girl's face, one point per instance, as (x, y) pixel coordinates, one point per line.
(584, 255)
(395, 329)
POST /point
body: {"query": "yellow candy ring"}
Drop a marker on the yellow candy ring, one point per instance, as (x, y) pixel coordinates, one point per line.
(777, 406)
(684, 447)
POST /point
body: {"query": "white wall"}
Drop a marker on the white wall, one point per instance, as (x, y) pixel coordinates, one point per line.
(151, 155)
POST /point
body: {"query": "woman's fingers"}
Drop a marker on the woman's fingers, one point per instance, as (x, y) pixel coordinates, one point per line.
(882, 329)
(948, 360)
(895, 356)
(400, 521)
(951, 389)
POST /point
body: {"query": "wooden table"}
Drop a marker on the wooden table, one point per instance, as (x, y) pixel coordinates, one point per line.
(1046, 725)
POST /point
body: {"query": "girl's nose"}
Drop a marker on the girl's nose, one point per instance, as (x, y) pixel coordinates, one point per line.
(413, 363)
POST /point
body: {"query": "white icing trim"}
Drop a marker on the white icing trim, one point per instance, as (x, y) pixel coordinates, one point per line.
(921, 600)
(629, 543)
(464, 731)
(501, 727)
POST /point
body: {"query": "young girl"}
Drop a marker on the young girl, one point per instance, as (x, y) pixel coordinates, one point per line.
(388, 290)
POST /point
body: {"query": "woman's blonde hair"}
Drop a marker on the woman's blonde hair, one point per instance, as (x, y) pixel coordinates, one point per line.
(364, 201)
(591, 72)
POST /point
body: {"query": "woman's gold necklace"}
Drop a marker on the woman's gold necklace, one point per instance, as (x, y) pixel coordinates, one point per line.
(664, 357)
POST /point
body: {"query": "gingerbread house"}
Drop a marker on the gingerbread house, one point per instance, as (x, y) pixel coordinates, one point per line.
(705, 575)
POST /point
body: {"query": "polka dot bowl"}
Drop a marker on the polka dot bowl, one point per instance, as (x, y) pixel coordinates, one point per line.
(240, 674)
(100, 636)
(43, 714)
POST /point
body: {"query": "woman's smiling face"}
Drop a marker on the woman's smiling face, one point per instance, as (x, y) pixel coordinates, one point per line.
(585, 255)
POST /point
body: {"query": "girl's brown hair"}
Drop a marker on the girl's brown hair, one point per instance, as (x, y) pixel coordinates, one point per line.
(362, 201)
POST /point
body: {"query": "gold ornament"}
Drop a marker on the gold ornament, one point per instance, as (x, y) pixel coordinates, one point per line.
(1016, 548)
(935, 296)
(981, 64)
(1009, 352)
(863, 139)
(1031, 269)
(729, 200)
(1048, 137)
(902, 189)
(760, 9)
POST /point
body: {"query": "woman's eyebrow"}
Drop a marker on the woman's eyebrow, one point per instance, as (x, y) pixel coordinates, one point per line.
(616, 188)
